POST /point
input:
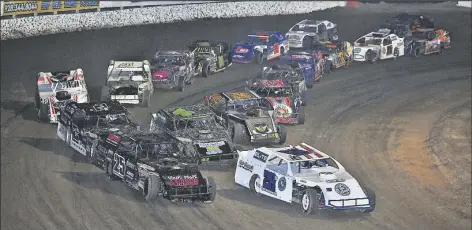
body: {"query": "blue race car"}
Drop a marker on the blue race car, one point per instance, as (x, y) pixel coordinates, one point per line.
(311, 68)
(260, 46)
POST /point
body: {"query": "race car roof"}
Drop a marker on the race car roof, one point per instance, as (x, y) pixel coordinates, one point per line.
(310, 22)
(301, 152)
(168, 53)
(128, 65)
(235, 96)
(189, 111)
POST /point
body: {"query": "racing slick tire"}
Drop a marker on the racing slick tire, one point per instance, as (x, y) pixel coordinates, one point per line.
(259, 57)
(151, 187)
(304, 98)
(181, 84)
(255, 179)
(371, 57)
(206, 70)
(109, 170)
(146, 99)
(310, 83)
(396, 53)
(417, 52)
(92, 152)
(307, 42)
(43, 112)
(210, 181)
(239, 134)
(441, 50)
(282, 52)
(310, 202)
(371, 196)
(301, 116)
(282, 130)
(105, 94)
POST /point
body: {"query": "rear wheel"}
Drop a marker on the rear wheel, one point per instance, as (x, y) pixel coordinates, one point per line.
(259, 57)
(417, 52)
(210, 182)
(206, 70)
(441, 50)
(43, 112)
(109, 171)
(181, 84)
(307, 42)
(282, 130)
(105, 94)
(301, 116)
(146, 99)
(396, 53)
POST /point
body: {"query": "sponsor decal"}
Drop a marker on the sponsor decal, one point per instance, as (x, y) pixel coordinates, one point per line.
(183, 181)
(246, 166)
(260, 156)
(113, 139)
(282, 184)
(241, 49)
(261, 128)
(282, 110)
(30, 7)
(342, 189)
(213, 147)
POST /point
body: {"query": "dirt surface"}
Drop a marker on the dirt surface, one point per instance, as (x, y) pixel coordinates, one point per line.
(402, 127)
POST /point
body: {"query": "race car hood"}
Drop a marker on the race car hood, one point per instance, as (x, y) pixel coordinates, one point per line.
(213, 134)
(329, 183)
(274, 101)
(260, 125)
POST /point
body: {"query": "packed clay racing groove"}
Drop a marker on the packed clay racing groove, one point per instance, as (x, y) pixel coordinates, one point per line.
(401, 127)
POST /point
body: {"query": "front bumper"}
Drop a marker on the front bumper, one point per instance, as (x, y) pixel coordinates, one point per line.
(359, 57)
(293, 119)
(222, 157)
(270, 138)
(348, 204)
(295, 44)
(164, 85)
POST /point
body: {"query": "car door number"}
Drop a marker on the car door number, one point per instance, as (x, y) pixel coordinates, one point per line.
(119, 166)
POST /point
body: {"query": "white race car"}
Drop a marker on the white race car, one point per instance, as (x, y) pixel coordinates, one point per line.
(53, 89)
(304, 33)
(378, 45)
(302, 174)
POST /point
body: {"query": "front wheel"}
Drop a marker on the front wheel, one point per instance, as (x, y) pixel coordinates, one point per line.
(181, 84)
(282, 130)
(371, 196)
(146, 99)
(206, 70)
(371, 57)
(259, 57)
(396, 53)
(301, 116)
(255, 184)
(310, 202)
(151, 187)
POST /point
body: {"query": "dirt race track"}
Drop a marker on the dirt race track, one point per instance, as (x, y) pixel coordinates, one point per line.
(402, 127)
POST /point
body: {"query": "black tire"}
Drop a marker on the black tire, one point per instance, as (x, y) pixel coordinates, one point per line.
(282, 52)
(310, 82)
(92, 152)
(109, 171)
(417, 52)
(304, 98)
(239, 134)
(206, 70)
(301, 116)
(146, 99)
(282, 130)
(151, 188)
(372, 199)
(441, 50)
(396, 53)
(212, 184)
(307, 42)
(181, 84)
(252, 184)
(250, 82)
(105, 94)
(331, 67)
(371, 57)
(43, 112)
(259, 57)
(310, 205)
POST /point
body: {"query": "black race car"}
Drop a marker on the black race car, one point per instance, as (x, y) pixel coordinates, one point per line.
(198, 126)
(250, 117)
(427, 41)
(210, 56)
(156, 164)
(404, 24)
(81, 124)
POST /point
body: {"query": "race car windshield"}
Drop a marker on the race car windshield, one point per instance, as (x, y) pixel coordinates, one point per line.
(154, 151)
(304, 28)
(370, 41)
(167, 60)
(279, 92)
(247, 104)
(117, 119)
(196, 123)
(312, 164)
(126, 74)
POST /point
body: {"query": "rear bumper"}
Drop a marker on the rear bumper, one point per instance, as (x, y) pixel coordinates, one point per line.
(205, 159)
(241, 59)
(196, 193)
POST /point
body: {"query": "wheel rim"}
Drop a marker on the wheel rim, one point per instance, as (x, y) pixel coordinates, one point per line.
(257, 185)
(305, 201)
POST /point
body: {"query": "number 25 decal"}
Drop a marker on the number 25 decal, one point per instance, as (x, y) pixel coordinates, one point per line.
(119, 166)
